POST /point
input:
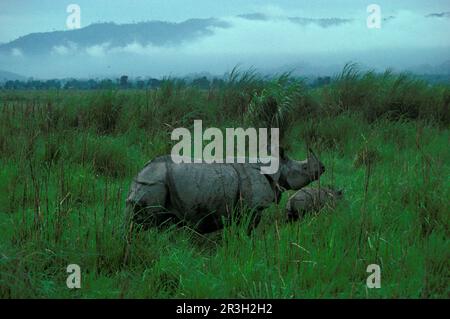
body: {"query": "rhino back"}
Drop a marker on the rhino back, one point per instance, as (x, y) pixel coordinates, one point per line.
(198, 190)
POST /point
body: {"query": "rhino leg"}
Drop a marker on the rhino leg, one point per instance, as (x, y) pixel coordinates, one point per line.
(148, 205)
(292, 215)
(209, 224)
(212, 222)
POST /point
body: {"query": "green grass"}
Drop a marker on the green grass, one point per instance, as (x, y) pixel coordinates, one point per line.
(68, 157)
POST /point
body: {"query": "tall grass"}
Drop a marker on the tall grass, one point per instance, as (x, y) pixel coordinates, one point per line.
(391, 95)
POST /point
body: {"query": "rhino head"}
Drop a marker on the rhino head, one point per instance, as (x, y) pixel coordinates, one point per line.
(297, 174)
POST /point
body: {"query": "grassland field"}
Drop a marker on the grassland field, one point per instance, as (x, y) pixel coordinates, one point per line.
(67, 158)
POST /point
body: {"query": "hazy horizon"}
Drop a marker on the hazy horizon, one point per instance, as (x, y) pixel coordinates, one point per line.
(306, 36)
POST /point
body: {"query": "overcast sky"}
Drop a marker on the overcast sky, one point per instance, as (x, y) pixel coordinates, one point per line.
(20, 17)
(274, 44)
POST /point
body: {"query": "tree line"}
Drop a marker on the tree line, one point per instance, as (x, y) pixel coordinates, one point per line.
(94, 84)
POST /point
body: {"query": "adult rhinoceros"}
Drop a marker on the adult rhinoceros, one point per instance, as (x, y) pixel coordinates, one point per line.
(204, 195)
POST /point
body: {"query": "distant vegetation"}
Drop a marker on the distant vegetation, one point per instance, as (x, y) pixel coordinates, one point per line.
(68, 157)
(94, 84)
(201, 82)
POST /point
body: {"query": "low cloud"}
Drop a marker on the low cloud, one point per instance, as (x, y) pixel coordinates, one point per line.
(99, 50)
(60, 50)
(16, 52)
(65, 49)
(283, 36)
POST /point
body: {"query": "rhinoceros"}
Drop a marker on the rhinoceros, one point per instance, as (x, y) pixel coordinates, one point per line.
(203, 195)
(309, 200)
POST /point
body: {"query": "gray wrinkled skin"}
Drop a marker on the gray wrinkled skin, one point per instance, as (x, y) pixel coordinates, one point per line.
(310, 200)
(204, 195)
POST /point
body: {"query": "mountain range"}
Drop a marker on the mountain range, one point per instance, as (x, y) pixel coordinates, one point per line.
(10, 76)
(38, 50)
(157, 33)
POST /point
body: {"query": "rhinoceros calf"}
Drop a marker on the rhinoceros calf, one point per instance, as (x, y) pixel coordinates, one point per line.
(308, 200)
(203, 195)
